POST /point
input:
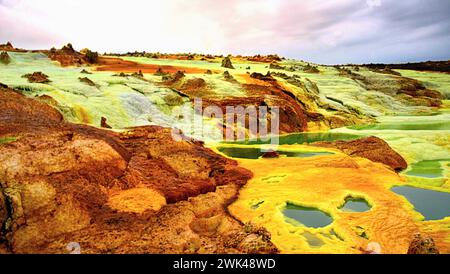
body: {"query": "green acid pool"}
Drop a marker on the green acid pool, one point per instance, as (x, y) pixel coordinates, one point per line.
(310, 217)
(355, 205)
(304, 137)
(255, 153)
(427, 169)
(416, 125)
(433, 205)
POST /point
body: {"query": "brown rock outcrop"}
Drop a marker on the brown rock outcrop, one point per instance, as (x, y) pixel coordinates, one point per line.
(87, 81)
(268, 77)
(372, 148)
(226, 63)
(4, 58)
(228, 77)
(275, 65)
(67, 56)
(175, 78)
(310, 69)
(196, 88)
(104, 123)
(37, 77)
(422, 245)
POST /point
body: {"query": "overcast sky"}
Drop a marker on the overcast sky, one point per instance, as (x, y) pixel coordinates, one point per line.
(322, 31)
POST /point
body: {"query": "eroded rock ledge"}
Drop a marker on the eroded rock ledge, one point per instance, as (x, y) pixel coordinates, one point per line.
(137, 191)
(372, 148)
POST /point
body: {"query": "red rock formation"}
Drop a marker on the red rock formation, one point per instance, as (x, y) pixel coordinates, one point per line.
(67, 56)
(372, 148)
(62, 182)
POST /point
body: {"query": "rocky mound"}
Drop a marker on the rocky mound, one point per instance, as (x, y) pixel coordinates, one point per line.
(262, 77)
(4, 58)
(226, 63)
(196, 88)
(107, 191)
(175, 78)
(37, 77)
(310, 69)
(160, 72)
(228, 77)
(275, 65)
(87, 81)
(422, 245)
(372, 148)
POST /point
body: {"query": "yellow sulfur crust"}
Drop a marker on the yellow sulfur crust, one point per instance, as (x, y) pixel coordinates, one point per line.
(323, 182)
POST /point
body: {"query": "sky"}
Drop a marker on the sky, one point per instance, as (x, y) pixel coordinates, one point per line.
(326, 31)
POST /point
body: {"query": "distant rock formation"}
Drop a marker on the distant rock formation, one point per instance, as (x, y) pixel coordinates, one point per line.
(265, 58)
(68, 56)
(7, 47)
(387, 70)
(226, 63)
(91, 56)
(441, 66)
(310, 69)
